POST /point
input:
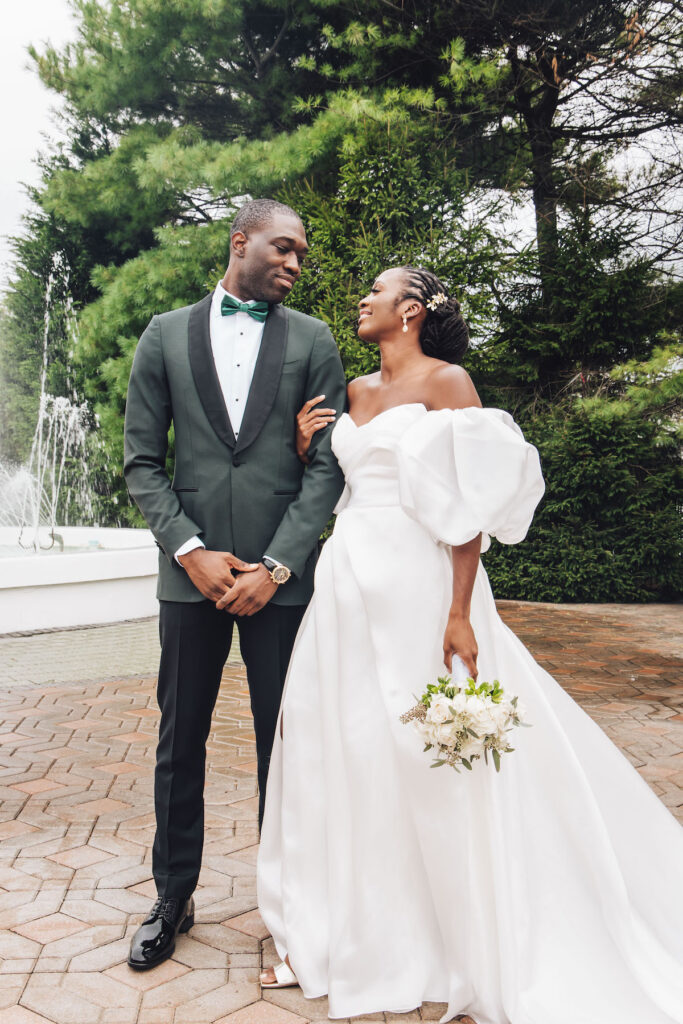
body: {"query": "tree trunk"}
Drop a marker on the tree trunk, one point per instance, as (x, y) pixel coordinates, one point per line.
(537, 113)
(545, 205)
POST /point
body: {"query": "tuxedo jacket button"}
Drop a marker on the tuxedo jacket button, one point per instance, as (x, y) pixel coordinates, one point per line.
(236, 460)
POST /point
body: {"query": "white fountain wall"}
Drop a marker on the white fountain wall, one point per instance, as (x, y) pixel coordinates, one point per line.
(112, 580)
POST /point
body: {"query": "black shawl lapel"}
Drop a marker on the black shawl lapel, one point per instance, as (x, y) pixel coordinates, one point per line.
(204, 371)
(266, 378)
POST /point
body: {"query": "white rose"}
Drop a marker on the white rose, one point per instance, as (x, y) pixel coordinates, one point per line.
(472, 705)
(459, 702)
(483, 719)
(470, 748)
(445, 735)
(440, 711)
(428, 732)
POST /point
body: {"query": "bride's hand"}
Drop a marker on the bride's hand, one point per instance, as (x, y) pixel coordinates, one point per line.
(308, 421)
(459, 639)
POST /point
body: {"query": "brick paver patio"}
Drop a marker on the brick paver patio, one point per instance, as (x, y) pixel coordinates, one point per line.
(77, 738)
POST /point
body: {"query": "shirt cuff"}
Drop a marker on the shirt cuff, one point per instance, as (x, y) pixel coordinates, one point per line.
(189, 545)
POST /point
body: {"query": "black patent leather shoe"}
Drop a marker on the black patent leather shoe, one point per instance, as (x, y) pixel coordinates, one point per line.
(154, 941)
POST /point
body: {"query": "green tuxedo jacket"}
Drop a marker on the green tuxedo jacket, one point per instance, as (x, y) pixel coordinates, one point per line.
(251, 496)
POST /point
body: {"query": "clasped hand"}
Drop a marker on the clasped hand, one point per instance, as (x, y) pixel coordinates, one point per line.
(212, 574)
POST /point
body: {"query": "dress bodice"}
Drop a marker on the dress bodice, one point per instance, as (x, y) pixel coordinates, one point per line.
(368, 456)
(457, 472)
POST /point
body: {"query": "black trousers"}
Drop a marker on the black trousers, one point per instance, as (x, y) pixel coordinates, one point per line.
(195, 643)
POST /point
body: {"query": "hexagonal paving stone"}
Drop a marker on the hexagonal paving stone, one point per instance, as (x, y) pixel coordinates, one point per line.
(75, 873)
(50, 928)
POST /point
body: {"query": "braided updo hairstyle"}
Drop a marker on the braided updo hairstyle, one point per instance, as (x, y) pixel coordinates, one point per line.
(444, 333)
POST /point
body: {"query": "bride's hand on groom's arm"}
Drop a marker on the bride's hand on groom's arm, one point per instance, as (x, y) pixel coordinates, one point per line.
(308, 421)
(211, 571)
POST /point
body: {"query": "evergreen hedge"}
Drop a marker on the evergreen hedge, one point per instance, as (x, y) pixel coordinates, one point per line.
(609, 525)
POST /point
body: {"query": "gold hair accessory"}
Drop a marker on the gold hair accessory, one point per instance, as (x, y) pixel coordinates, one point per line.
(437, 299)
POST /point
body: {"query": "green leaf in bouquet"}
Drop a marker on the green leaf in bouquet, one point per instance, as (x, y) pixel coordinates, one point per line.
(467, 763)
(437, 764)
(471, 732)
(496, 758)
(428, 746)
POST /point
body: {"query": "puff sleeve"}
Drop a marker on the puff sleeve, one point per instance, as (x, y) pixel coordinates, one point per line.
(466, 471)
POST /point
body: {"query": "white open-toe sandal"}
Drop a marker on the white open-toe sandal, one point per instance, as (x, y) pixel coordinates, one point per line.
(284, 975)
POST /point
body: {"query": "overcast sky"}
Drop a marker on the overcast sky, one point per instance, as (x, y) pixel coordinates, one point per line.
(25, 104)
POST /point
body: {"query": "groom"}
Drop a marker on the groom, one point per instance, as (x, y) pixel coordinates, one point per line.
(237, 526)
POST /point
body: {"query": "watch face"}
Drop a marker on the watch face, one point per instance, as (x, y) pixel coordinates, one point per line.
(281, 574)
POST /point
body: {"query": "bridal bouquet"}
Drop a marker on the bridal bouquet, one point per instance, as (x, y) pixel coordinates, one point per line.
(463, 723)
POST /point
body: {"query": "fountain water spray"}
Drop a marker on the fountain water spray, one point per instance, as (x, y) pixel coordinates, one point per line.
(55, 481)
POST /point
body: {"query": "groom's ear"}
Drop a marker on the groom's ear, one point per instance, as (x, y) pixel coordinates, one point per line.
(238, 241)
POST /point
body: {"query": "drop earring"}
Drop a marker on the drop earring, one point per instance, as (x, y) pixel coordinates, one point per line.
(405, 323)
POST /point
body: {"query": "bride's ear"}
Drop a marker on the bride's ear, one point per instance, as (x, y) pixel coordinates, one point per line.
(411, 309)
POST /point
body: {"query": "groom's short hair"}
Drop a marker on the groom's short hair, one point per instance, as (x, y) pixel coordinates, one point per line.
(255, 215)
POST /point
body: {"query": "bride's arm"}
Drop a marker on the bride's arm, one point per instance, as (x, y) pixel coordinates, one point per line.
(459, 636)
(450, 387)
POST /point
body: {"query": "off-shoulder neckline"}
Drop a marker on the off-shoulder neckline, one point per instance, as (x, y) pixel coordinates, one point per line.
(402, 405)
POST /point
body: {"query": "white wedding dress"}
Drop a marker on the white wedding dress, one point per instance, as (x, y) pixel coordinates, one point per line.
(551, 893)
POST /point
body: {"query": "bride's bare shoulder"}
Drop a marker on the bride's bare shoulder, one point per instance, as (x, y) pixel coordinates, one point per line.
(450, 386)
(360, 385)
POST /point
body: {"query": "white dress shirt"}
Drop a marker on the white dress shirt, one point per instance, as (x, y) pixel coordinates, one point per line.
(235, 344)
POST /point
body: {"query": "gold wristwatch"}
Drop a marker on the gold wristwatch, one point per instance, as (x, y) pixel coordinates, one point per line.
(278, 573)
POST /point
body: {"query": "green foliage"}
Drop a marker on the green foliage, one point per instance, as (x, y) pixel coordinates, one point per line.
(227, 68)
(102, 196)
(608, 306)
(608, 528)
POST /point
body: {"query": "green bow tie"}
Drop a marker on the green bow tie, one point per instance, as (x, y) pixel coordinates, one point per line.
(256, 310)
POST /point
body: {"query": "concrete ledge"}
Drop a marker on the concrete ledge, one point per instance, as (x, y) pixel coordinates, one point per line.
(115, 579)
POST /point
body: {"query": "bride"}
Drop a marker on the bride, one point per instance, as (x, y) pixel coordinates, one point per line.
(551, 893)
